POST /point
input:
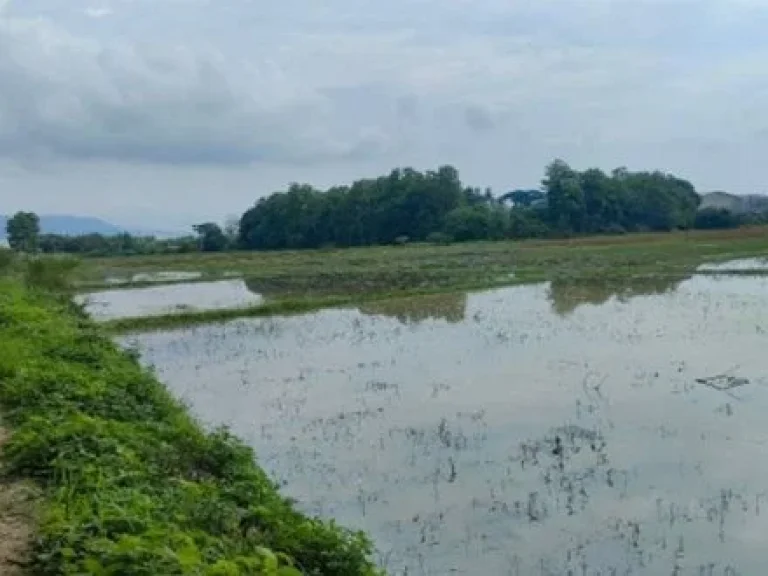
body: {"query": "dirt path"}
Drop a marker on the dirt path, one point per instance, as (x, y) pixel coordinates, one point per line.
(16, 521)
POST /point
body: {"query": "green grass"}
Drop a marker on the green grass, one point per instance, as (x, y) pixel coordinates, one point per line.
(131, 484)
(400, 269)
(51, 273)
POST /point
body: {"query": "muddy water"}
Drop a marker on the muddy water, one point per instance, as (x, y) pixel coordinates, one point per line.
(155, 300)
(530, 430)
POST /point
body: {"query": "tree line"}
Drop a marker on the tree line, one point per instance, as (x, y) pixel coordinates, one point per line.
(24, 235)
(432, 206)
(408, 205)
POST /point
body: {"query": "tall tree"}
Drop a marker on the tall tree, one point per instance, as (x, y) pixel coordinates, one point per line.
(23, 231)
(565, 197)
(211, 237)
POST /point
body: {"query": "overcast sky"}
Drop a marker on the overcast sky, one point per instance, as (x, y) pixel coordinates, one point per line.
(166, 112)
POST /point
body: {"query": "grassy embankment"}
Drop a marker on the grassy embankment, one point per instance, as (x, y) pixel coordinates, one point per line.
(129, 483)
(306, 280)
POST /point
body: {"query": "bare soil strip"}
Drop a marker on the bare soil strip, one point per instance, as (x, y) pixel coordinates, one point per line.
(16, 523)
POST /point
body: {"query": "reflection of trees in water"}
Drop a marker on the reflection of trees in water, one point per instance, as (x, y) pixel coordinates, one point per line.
(567, 294)
(257, 286)
(448, 307)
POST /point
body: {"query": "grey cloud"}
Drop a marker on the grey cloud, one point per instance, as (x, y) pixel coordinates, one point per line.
(478, 118)
(331, 91)
(299, 85)
(64, 97)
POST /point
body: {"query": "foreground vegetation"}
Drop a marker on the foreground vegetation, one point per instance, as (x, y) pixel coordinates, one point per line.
(130, 483)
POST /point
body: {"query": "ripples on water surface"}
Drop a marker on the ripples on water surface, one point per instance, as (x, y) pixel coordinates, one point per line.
(548, 429)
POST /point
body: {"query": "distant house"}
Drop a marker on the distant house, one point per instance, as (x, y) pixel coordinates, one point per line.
(751, 203)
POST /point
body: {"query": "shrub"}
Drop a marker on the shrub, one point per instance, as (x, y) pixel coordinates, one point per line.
(51, 273)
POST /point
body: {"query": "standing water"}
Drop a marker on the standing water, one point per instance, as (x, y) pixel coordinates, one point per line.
(544, 429)
(155, 300)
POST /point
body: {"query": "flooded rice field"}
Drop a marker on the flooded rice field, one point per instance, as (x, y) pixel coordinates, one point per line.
(538, 430)
(110, 304)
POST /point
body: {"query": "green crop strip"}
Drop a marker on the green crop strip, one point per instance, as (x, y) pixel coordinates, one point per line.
(130, 483)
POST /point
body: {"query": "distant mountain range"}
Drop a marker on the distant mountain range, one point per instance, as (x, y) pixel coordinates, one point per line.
(70, 225)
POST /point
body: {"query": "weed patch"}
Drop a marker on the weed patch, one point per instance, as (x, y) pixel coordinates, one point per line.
(130, 483)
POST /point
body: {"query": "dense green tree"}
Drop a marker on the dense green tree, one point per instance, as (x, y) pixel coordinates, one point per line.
(23, 231)
(528, 223)
(713, 218)
(404, 204)
(592, 202)
(211, 237)
(603, 200)
(566, 202)
(657, 201)
(476, 223)
(413, 205)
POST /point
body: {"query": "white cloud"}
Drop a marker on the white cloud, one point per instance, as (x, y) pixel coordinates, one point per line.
(69, 97)
(97, 12)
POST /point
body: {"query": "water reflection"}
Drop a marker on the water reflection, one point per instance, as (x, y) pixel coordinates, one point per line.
(448, 307)
(256, 286)
(516, 440)
(567, 295)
